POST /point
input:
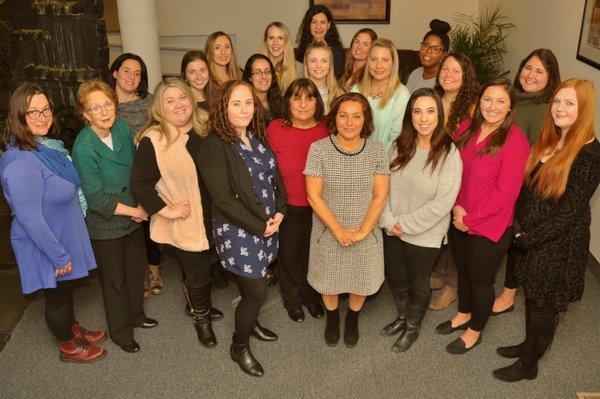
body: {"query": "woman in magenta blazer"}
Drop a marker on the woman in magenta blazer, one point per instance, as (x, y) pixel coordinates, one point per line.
(494, 152)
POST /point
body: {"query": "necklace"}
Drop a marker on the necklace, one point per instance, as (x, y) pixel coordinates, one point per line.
(376, 94)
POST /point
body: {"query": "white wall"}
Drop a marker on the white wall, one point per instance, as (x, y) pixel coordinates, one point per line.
(554, 24)
(248, 18)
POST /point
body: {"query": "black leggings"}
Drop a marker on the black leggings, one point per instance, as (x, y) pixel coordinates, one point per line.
(253, 293)
(477, 259)
(60, 312)
(408, 266)
(510, 280)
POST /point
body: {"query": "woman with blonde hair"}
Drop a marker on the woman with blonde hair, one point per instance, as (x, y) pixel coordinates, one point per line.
(222, 61)
(277, 45)
(386, 94)
(165, 180)
(318, 67)
(356, 57)
(552, 220)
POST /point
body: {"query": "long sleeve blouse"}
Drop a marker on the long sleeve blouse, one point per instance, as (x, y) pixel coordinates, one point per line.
(491, 183)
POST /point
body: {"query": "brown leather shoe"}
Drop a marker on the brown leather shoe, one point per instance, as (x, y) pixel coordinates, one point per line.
(436, 282)
(444, 299)
(89, 337)
(77, 351)
(156, 283)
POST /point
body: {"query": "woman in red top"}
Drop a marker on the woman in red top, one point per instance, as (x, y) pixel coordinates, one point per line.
(494, 152)
(290, 138)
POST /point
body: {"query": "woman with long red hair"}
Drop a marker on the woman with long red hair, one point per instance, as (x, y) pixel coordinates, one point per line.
(552, 221)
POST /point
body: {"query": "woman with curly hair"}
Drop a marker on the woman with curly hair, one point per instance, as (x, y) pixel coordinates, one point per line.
(457, 84)
(318, 68)
(277, 45)
(318, 25)
(356, 57)
(552, 220)
(241, 175)
(260, 73)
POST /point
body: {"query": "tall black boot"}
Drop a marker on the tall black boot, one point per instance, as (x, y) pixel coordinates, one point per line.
(416, 311)
(351, 328)
(215, 314)
(515, 351)
(241, 354)
(332, 327)
(199, 299)
(401, 299)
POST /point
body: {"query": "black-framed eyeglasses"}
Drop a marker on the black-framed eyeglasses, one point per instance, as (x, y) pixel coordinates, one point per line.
(34, 113)
(434, 49)
(265, 72)
(96, 109)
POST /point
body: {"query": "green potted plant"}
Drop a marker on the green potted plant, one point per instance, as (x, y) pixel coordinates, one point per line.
(483, 39)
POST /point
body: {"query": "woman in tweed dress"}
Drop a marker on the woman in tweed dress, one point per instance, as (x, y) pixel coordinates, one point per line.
(347, 180)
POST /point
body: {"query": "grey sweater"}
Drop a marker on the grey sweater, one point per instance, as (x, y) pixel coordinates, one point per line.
(421, 201)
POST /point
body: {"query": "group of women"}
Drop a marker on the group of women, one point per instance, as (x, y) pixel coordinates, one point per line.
(345, 182)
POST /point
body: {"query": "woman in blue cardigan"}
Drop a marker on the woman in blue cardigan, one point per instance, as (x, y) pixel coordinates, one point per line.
(103, 155)
(48, 234)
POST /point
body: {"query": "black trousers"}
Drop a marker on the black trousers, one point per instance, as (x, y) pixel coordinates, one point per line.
(122, 264)
(540, 326)
(253, 292)
(60, 311)
(477, 259)
(292, 263)
(510, 280)
(152, 252)
(408, 266)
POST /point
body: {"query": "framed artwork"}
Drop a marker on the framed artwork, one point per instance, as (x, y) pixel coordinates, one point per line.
(588, 49)
(357, 11)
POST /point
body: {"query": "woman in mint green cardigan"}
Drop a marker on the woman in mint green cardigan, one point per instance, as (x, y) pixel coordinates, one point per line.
(103, 155)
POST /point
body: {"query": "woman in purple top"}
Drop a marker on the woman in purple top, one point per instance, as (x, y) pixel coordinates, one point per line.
(48, 233)
(494, 152)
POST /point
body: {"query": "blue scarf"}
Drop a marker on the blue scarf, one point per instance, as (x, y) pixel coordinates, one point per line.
(55, 156)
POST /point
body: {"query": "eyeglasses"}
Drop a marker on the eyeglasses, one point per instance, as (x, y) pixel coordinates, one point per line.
(434, 49)
(264, 73)
(97, 109)
(34, 113)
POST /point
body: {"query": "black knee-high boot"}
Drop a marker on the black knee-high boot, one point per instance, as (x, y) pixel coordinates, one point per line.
(398, 325)
(416, 311)
(199, 299)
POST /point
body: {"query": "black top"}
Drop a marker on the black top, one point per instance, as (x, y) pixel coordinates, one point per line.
(338, 59)
(230, 185)
(550, 257)
(145, 174)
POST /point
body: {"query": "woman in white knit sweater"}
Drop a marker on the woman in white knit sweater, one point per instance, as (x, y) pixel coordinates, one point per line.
(426, 174)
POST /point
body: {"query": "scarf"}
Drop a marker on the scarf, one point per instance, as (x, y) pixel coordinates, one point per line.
(55, 156)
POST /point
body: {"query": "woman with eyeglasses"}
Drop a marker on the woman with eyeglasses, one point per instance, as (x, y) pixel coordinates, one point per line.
(356, 57)
(434, 46)
(48, 232)
(260, 73)
(128, 76)
(103, 155)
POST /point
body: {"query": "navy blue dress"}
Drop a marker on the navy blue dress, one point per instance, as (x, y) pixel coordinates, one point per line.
(239, 251)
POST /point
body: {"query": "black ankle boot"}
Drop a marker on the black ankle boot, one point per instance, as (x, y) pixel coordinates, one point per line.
(416, 312)
(263, 334)
(351, 328)
(332, 327)
(398, 325)
(241, 354)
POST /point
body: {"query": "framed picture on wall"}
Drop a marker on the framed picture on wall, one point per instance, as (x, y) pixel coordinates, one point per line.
(357, 11)
(588, 50)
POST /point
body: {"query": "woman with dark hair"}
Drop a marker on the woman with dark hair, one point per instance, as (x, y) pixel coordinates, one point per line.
(290, 139)
(222, 61)
(434, 46)
(318, 25)
(48, 233)
(277, 45)
(248, 205)
(195, 72)
(260, 73)
(458, 86)
(535, 83)
(424, 183)
(494, 151)
(129, 78)
(103, 155)
(356, 57)
(553, 220)
(347, 180)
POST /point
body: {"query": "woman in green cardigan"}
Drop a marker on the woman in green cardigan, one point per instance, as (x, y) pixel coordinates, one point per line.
(103, 155)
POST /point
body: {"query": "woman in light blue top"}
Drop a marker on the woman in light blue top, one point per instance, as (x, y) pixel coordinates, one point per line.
(386, 94)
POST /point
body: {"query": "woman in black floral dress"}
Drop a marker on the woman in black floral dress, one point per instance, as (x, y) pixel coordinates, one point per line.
(552, 222)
